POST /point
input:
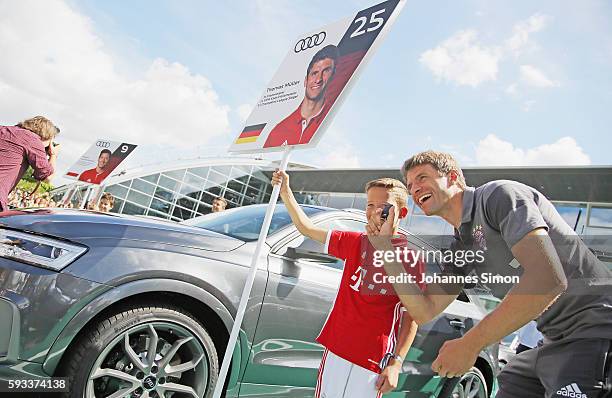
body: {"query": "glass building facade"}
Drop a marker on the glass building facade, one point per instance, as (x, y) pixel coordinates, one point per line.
(181, 193)
(186, 193)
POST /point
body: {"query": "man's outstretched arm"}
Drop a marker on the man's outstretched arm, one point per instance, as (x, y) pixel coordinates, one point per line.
(543, 280)
(299, 218)
(422, 305)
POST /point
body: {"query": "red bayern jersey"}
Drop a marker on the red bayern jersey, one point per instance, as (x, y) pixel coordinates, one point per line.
(93, 177)
(294, 129)
(364, 322)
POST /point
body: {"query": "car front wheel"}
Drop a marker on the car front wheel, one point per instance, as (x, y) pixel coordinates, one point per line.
(145, 351)
(471, 385)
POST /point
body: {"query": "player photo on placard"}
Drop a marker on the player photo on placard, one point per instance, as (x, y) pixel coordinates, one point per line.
(301, 124)
(303, 95)
(99, 161)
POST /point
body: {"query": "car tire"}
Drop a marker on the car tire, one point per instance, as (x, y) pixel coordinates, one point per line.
(100, 361)
(465, 386)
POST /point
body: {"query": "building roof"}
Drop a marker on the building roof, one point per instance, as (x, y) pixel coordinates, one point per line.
(572, 184)
(560, 183)
(122, 174)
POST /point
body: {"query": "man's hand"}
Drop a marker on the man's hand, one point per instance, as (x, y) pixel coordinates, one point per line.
(388, 226)
(387, 380)
(380, 232)
(377, 226)
(282, 178)
(455, 358)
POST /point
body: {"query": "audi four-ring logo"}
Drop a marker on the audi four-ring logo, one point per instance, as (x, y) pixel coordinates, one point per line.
(103, 144)
(309, 42)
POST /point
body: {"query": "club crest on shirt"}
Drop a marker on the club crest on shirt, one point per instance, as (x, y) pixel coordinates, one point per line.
(479, 237)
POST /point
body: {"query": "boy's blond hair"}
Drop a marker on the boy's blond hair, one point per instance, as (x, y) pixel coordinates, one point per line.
(395, 187)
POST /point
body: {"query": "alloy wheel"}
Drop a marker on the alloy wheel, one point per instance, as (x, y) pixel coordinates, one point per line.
(151, 360)
(471, 385)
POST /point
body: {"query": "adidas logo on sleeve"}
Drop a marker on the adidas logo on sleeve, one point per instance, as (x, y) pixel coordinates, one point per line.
(571, 391)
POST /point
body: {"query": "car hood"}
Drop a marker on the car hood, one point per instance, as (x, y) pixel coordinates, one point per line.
(81, 226)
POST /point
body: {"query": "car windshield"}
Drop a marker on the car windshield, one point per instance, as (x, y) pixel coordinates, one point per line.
(245, 222)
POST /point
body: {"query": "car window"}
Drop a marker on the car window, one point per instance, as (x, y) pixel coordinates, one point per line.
(245, 222)
(314, 246)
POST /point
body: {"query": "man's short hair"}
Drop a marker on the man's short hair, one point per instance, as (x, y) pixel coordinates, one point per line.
(395, 187)
(219, 198)
(329, 51)
(109, 197)
(105, 151)
(41, 126)
(443, 162)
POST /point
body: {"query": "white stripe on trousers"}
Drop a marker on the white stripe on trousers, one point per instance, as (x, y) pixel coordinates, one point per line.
(339, 378)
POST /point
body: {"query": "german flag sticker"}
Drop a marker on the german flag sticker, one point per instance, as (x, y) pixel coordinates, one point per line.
(250, 134)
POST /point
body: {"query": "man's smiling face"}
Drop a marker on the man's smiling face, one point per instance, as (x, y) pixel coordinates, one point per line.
(103, 160)
(316, 81)
(429, 190)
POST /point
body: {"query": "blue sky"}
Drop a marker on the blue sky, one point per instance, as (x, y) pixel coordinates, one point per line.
(495, 83)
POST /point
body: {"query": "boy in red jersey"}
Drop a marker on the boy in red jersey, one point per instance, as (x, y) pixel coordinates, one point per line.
(364, 344)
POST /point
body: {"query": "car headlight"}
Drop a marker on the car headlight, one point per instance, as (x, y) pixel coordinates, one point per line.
(38, 250)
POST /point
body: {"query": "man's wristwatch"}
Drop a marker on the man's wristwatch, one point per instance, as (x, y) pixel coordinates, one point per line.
(388, 356)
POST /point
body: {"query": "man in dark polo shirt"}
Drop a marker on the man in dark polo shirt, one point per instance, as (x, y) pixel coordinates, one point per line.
(301, 124)
(562, 284)
(30, 143)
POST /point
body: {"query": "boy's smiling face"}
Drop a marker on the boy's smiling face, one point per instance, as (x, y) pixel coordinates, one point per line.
(377, 198)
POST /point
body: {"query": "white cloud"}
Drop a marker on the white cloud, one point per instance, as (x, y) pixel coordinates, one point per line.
(527, 105)
(493, 151)
(334, 151)
(521, 31)
(343, 157)
(463, 60)
(512, 89)
(244, 111)
(532, 76)
(60, 68)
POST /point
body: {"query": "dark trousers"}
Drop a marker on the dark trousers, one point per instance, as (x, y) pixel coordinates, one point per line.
(579, 368)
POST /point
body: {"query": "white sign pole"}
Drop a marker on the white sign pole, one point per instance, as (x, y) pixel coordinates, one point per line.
(249, 282)
(68, 194)
(86, 196)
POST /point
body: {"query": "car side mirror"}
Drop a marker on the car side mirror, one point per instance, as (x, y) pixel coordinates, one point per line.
(295, 253)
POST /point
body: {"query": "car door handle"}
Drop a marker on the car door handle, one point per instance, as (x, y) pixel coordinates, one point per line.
(457, 323)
